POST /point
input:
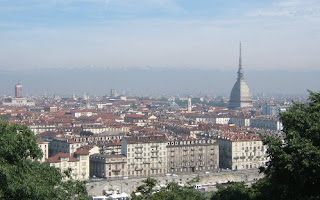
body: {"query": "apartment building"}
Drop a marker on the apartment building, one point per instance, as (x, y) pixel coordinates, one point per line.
(241, 151)
(98, 138)
(146, 155)
(44, 146)
(40, 128)
(266, 122)
(64, 145)
(240, 120)
(111, 147)
(78, 162)
(113, 129)
(108, 166)
(192, 155)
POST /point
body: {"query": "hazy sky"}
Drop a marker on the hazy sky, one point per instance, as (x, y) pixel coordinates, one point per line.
(275, 34)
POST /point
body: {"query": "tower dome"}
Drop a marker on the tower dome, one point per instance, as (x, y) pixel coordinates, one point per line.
(240, 96)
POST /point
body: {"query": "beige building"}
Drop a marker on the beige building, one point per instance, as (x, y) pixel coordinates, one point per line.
(98, 129)
(98, 138)
(44, 146)
(108, 166)
(192, 155)
(146, 155)
(78, 162)
(40, 128)
(111, 148)
(241, 151)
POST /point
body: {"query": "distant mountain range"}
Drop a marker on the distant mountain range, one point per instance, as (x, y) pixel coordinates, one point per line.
(154, 81)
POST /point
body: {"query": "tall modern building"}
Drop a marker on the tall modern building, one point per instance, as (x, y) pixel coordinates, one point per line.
(18, 90)
(240, 96)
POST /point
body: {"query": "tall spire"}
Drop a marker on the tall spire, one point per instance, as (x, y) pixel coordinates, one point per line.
(240, 71)
(240, 96)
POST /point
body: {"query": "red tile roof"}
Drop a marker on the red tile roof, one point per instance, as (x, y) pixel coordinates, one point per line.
(82, 152)
(41, 141)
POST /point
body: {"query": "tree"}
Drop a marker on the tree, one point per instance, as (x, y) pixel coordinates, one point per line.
(293, 171)
(172, 192)
(23, 177)
(145, 189)
(176, 192)
(233, 191)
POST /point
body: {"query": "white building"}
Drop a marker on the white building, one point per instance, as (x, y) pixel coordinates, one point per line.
(44, 146)
(18, 102)
(78, 162)
(40, 128)
(113, 129)
(266, 122)
(241, 151)
(146, 155)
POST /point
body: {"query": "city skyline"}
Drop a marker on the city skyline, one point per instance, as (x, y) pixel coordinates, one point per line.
(276, 35)
(155, 82)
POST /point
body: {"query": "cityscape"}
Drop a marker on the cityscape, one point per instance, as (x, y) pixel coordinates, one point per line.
(159, 100)
(118, 137)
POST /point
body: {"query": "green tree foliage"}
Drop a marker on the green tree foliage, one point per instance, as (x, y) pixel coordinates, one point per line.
(176, 192)
(233, 191)
(145, 189)
(22, 177)
(172, 192)
(293, 171)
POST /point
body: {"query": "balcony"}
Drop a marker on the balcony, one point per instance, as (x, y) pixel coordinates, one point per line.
(146, 162)
(116, 170)
(138, 152)
(154, 168)
(138, 169)
(154, 151)
(138, 157)
(139, 147)
(154, 156)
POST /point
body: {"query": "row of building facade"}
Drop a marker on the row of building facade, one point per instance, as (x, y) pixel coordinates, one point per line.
(155, 155)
